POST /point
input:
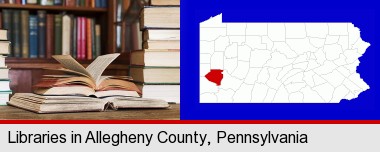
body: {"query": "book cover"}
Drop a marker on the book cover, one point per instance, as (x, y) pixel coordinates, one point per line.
(16, 39)
(46, 2)
(70, 2)
(50, 34)
(58, 34)
(160, 17)
(74, 37)
(7, 24)
(4, 35)
(25, 33)
(98, 3)
(66, 39)
(93, 47)
(79, 37)
(31, 1)
(58, 2)
(155, 74)
(88, 39)
(83, 38)
(41, 33)
(165, 2)
(33, 36)
(97, 40)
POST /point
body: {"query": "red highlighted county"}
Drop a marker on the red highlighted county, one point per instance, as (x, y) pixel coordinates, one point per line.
(215, 76)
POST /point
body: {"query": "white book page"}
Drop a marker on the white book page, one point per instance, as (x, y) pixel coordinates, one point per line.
(70, 63)
(97, 67)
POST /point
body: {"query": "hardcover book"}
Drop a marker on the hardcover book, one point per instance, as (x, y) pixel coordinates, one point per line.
(160, 17)
(169, 58)
(165, 2)
(25, 33)
(58, 34)
(41, 34)
(50, 34)
(155, 75)
(16, 37)
(60, 104)
(33, 36)
(86, 81)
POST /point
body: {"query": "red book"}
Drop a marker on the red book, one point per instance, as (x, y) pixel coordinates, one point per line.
(70, 3)
(18, 1)
(84, 39)
(79, 38)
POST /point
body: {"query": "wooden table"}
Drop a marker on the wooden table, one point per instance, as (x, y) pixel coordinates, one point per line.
(8, 112)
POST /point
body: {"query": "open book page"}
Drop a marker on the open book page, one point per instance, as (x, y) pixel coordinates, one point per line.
(70, 63)
(97, 67)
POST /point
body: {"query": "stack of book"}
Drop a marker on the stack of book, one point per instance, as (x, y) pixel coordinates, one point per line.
(5, 90)
(43, 35)
(83, 89)
(156, 68)
(77, 3)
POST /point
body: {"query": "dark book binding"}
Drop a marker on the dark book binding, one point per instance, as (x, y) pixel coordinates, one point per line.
(16, 16)
(49, 35)
(33, 36)
(25, 33)
(58, 34)
(7, 24)
(41, 34)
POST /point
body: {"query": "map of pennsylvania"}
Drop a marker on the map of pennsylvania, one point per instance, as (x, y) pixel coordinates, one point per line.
(279, 62)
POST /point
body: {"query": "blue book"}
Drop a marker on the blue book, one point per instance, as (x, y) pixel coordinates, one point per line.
(98, 3)
(57, 2)
(104, 3)
(33, 36)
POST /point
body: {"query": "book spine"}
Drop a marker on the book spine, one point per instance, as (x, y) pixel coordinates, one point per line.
(46, 2)
(18, 1)
(23, 2)
(92, 3)
(41, 33)
(7, 24)
(79, 37)
(89, 39)
(97, 40)
(1, 20)
(93, 38)
(50, 35)
(25, 33)
(70, 3)
(57, 2)
(74, 37)
(83, 40)
(104, 3)
(58, 34)
(66, 24)
(98, 3)
(33, 36)
(31, 1)
(16, 33)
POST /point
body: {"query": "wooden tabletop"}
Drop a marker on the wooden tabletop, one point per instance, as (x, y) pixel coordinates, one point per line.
(8, 112)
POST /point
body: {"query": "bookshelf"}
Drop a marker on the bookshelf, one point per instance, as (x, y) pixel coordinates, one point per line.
(25, 72)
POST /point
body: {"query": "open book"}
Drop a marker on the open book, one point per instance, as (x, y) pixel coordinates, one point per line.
(57, 104)
(86, 81)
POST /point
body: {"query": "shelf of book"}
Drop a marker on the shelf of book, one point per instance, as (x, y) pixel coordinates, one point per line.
(54, 8)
